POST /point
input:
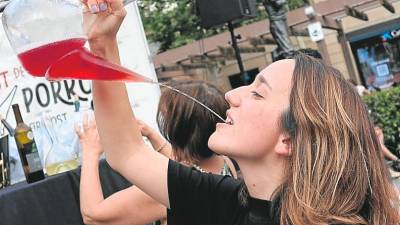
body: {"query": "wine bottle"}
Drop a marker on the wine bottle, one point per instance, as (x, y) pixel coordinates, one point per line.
(27, 149)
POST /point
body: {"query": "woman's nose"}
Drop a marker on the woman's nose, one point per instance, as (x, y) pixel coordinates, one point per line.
(233, 97)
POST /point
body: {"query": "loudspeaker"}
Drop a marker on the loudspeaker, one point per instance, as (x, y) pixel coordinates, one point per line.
(217, 12)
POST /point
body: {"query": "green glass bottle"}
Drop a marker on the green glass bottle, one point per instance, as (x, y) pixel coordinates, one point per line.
(27, 149)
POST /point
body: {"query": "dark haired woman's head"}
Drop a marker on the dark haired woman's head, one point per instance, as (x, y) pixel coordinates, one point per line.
(310, 52)
(186, 124)
(306, 51)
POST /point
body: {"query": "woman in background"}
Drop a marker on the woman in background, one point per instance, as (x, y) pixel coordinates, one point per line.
(186, 127)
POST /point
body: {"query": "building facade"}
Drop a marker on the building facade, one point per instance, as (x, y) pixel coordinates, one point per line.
(361, 39)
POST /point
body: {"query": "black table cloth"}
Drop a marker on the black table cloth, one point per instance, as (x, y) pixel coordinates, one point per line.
(54, 200)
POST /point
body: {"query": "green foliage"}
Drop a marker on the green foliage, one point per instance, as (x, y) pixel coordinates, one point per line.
(384, 109)
(171, 23)
(174, 23)
(294, 4)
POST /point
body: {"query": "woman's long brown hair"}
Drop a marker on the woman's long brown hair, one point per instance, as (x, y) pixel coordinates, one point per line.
(336, 174)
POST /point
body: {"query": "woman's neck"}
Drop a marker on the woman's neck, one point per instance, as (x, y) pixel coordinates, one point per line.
(213, 164)
(262, 178)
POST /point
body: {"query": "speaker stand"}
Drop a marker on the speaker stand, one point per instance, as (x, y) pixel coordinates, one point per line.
(234, 38)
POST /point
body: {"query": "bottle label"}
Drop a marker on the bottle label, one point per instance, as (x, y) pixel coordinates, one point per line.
(30, 147)
(30, 135)
(32, 157)
(34, 163)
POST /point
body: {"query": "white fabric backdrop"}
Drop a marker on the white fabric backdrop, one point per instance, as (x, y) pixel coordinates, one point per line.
(37, 96)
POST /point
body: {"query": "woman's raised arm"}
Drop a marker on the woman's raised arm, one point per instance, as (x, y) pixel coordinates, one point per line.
(119, 132)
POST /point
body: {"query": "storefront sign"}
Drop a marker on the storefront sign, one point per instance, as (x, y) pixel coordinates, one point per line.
(315, 31)
(391, 35)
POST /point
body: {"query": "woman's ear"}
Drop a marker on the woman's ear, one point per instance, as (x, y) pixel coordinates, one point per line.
(284, 145)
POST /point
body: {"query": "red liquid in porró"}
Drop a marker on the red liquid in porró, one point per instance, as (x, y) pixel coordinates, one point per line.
(36, 61)
(68, 59)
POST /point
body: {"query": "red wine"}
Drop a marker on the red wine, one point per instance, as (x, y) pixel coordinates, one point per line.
(36, 61)
(68, 59)
(81, 64)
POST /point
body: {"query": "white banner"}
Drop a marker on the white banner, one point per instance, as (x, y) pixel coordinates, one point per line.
(40, 99)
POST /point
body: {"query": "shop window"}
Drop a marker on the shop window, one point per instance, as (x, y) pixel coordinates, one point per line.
(237, 81)
(378, 59)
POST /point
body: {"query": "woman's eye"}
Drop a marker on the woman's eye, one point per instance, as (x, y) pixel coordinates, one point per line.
(255, 94)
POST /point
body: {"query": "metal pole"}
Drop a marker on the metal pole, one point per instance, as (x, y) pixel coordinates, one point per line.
(237, 52)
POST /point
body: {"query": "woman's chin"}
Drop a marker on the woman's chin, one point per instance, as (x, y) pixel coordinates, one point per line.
(215, 144)
(211, 141)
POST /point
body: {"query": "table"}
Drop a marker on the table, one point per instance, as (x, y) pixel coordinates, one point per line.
(54, 200)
